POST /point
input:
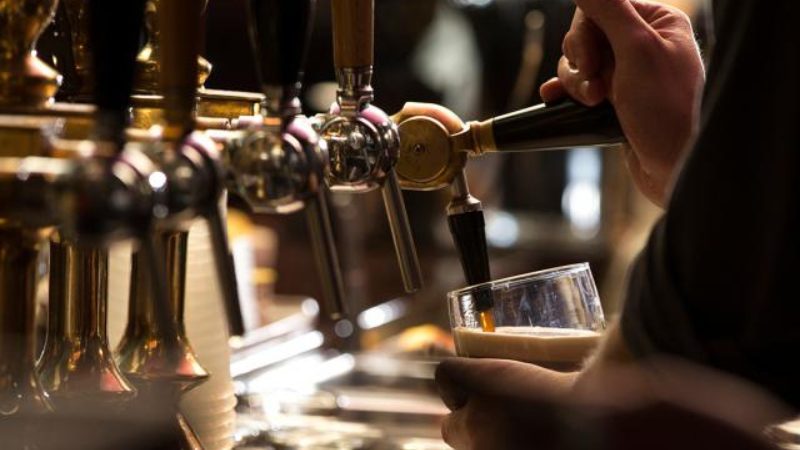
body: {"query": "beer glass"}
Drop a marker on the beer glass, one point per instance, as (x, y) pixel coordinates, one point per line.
(552, 318)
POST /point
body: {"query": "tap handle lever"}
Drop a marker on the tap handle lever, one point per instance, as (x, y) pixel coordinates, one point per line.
(401, 234)
(180, 25)
(226, 271)
(560, 125)
(280, 31)
(114, 33)
(353, 33)
(322, 241)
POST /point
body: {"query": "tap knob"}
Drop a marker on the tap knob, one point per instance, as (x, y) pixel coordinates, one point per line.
(363, 142)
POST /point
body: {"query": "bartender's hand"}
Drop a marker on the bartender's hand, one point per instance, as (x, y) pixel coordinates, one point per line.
(511, 405)
(642, 56)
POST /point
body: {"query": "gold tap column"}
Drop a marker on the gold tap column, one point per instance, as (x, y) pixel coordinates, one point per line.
(24, 79)
(21, 392)
(156, 356)
(77, 367)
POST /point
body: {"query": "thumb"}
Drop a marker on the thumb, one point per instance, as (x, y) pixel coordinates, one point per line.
(618, 20)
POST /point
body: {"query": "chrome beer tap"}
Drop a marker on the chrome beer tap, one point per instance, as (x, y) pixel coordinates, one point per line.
(363, 142)
(280, 167)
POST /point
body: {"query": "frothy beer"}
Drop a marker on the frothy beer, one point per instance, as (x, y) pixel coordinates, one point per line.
(562, 349)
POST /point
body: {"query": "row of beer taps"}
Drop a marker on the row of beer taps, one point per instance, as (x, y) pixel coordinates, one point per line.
(79, 178)
(156, 151)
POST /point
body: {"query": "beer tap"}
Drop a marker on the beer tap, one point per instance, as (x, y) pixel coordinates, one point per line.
(281, 167)
(156, 355)
(362, 140)
(27, 199)
(112, 195)
(431, 158)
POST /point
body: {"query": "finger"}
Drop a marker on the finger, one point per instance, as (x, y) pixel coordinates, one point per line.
(584, 45)
(589, 91)
(552, 90)
(617, 19)
(454, 430)
(452, 393)
(446, 117)
(496, 377)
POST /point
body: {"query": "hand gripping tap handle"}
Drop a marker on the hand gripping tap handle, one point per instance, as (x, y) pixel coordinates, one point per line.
(180, 33)
(353, 56)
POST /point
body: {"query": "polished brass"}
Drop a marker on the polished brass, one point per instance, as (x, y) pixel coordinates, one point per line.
(77, 368)
(24, 79)
(151, 351)
(228, 104)
(216, 109)
(427, 160)
(21, 392)
(156, 355)
(431, 158)
(26, 135)
(77, 16)
(149, 59)
(211, 103)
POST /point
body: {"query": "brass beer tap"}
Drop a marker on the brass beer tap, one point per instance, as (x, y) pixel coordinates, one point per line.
(77, 365)
(363, 142)
(432, 158)
(155, 352)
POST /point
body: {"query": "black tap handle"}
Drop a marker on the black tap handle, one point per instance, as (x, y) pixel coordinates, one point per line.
(280, 31)
(469, 236)
(115, 27)
(565, 124)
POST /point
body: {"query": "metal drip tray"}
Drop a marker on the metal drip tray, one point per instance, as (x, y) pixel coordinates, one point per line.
(341, 401)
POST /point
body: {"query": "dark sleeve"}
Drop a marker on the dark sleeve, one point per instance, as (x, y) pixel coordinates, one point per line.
(718, 282)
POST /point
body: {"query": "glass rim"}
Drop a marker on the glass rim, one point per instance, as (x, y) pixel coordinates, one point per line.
(539, 275)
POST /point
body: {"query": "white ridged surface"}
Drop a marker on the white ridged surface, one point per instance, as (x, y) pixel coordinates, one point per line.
(209, 408)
